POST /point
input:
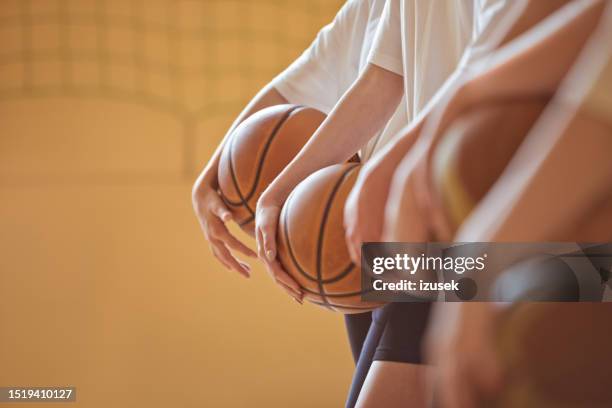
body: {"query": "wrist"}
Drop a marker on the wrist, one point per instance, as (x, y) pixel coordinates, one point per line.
(209, 177)
(273, 196)
(205, 184)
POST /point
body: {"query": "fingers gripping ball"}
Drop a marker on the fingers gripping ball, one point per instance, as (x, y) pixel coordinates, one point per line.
(257, 151)
(311, 243)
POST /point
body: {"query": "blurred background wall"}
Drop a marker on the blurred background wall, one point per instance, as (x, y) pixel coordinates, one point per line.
(108, 109)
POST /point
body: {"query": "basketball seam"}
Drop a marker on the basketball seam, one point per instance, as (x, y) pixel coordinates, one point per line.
(341, 275)
(296, 263)
(340, 295)
(244, 198)
(333, 305)
(288, 241)
(298, 266)
(326, 211)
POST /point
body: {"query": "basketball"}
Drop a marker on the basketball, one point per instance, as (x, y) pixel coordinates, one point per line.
(530, 337)
(311, 243)
(257, 151)
(474, 152)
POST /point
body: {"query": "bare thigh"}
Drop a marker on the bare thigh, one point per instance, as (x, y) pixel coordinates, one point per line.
(390, 384)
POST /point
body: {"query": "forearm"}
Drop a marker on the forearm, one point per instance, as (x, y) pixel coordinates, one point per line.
(266, 97)
(497, 76)
(532, 182)
(520, 50)
(537, 61)
(394, 151)
(532, 179)
(532, 65)
(358, 116)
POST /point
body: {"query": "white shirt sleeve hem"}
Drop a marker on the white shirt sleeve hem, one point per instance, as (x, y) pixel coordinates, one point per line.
(295, 96)
(388, 62)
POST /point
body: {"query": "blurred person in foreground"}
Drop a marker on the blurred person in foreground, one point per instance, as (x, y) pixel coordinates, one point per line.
(567, 148)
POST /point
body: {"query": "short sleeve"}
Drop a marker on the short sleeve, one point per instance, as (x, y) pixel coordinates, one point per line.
(386, 50)
(315, 77)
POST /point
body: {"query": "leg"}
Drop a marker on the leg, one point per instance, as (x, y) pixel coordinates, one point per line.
(392, 384)
(391, 353)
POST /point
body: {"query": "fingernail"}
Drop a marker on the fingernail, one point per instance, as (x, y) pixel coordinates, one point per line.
(227, 216)
(270, 255)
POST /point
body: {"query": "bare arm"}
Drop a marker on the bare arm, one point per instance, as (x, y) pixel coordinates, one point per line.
(570, 132)
(359, 115)
(535, 63)
(530, 62)
(210, 210)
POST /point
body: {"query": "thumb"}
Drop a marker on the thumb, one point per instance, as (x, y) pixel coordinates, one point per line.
(268, 232)
(220, 210)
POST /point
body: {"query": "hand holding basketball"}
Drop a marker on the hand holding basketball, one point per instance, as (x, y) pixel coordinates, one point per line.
(406, 219)
(365, 207)
(266, 223)
(212, 215)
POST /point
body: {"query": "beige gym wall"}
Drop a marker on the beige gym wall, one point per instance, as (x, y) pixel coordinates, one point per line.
(108, 108)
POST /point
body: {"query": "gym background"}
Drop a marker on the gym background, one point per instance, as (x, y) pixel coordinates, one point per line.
(109, 109)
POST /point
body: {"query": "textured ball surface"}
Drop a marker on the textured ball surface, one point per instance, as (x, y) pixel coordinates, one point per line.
(257, 151)
(311, 240)
(474, 152)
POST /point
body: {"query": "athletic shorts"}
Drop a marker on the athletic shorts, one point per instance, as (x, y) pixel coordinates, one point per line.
(391, 333)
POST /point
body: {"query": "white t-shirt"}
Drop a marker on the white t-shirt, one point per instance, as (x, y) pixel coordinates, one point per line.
(430, 42)
(327, 69)
(423, 40)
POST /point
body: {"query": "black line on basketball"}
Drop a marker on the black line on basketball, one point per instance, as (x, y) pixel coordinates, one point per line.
(289, 247)
(326, 211)
(301, 270)
(341, 275)
(297, 264)
(330, 305)
(246, 221)
(339, 295)
(246, 197)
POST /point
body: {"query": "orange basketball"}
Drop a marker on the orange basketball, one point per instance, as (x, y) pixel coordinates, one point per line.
(311, 243)
(257, 151)
(474, 152)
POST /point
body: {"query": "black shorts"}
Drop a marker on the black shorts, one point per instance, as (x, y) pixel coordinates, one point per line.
(391, 333)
